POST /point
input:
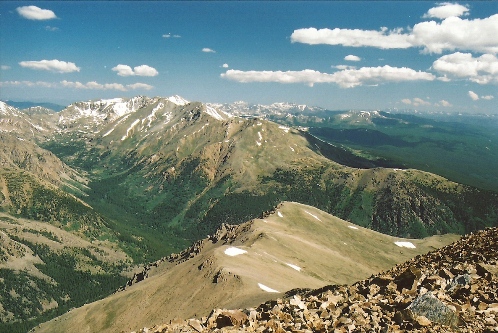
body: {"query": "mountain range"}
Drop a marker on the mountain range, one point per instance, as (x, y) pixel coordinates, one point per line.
(137, 179)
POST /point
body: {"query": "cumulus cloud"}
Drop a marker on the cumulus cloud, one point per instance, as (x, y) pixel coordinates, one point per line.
(208, 50)
(137, 86)
(482, 70)
(225, 66)
(93, 85)
(352, 58)
(51, 65)
(444, 103)
(5, 67)
(417, 101)
(453, 33)
(142, 70)
(473, 95)
(124, 70)
(445, 10)
(35, 13)
(347, 78)
(382, 39)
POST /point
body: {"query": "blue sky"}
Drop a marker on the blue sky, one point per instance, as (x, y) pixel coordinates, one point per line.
(437, 56)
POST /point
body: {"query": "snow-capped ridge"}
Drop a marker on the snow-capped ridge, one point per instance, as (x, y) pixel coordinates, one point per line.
(241, 108)
(178, 100)
(6, 109)
(215, 113)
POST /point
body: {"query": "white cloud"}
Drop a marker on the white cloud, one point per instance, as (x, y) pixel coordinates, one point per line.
(49, 28)
(352, 58)
(27, 84)
(51, 65)
(123, 70)
(170, 35)
(142, 70)
(138, 86)
(225, 66)
(208, 50)
(92, 85)
(453, 33)
(419, 101)
(106, 86)
(5, 67)
(444, 78)
(445, 103)
(482, 70)
(347, 78)
(382, 39)
(35, 13)
(473, 95)
(445, 10)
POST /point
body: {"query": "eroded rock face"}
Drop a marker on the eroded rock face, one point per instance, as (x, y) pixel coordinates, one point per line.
(452, 289)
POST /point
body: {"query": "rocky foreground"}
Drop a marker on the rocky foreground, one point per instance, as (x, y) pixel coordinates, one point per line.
(453, 289)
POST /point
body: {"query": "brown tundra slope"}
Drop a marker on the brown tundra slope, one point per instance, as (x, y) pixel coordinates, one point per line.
(453, 289)
(294, 246)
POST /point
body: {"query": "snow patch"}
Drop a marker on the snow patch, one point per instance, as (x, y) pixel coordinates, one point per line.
(280, 214)
(405, 244)
(260, 139)
(152, 116)
(267, 289)
(215, 113)
(316, 217)
(291, 148)
(3, 107)
(352, 227)
(297, 268)
(130, 129)
(107, 133)
(286, 129)
(234, 251)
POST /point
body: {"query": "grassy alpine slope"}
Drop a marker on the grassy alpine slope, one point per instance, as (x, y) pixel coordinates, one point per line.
(295, 246)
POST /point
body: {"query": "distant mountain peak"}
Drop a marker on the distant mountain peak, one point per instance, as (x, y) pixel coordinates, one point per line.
(241, 108)
(178, 100)
(6, 109)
